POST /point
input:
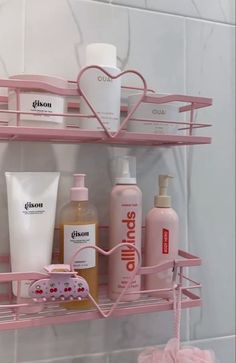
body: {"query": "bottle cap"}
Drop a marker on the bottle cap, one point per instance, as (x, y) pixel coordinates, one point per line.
(126, 170)
(163, 200)
(79, 192)
(101, 54)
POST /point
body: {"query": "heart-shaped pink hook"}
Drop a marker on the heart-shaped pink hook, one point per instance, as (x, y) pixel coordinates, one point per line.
(95, 114)
(107, 253)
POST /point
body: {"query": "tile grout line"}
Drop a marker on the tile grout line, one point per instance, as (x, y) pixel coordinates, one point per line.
(188, 17)
(186, 175)
(15, 345)
(24, 7)
(197, 341)
(72, 357)
(23, 33)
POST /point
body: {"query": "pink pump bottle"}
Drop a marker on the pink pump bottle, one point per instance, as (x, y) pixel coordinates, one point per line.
(162, 239)
(79, 227)
(125, 226)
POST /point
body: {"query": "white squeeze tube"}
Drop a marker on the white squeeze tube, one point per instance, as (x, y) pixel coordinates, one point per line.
(31, 211)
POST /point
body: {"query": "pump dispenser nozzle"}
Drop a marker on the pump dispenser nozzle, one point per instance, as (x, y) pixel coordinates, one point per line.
(126, 170)
(163, 200)
(79, 192)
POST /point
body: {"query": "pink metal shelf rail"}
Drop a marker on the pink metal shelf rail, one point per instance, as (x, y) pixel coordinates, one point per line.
(72, 134)
(12, 316)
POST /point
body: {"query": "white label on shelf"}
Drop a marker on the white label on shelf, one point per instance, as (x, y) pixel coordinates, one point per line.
(37, 103)
(76, 236)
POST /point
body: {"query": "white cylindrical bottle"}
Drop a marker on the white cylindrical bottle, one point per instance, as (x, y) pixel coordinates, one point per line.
(101, 90)
(125, 227)
(162, 239)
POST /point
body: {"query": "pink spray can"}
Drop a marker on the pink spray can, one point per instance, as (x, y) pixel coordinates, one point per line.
(125, 227)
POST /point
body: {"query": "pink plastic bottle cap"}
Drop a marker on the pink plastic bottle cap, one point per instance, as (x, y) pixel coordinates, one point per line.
(79, 192)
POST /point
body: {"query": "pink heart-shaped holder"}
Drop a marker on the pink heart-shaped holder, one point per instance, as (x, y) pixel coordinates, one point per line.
(108, 313)
(95, 114)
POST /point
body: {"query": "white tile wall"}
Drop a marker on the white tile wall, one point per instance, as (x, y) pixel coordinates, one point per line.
(224, 349)
(69, 340)
(11, 37)
(87, 338)
(174, 55)
(214, 10)
(211, 175)
(132, 3)
(8, 346)
(70, 34)
(11, 62)
(96, 358)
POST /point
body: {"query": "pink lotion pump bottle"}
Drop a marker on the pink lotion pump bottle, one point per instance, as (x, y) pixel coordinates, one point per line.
(126, 227)
(162, 239)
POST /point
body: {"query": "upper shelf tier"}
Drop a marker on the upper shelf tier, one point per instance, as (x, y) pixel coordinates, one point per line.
(73, 135)
(186, 105)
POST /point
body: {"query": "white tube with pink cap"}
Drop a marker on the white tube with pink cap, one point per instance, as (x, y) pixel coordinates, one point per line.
(32, 198)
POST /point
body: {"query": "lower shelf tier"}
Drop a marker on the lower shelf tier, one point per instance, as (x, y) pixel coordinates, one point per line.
(54, 312)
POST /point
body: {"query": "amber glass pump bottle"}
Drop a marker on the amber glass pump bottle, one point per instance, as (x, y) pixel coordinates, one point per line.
(78, 227)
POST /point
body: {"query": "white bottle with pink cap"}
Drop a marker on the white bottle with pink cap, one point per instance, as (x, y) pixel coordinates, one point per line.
(125, 226)
(79, 227)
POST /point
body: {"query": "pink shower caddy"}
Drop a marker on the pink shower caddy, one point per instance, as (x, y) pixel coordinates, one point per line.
(11, 315)
(72, 134)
